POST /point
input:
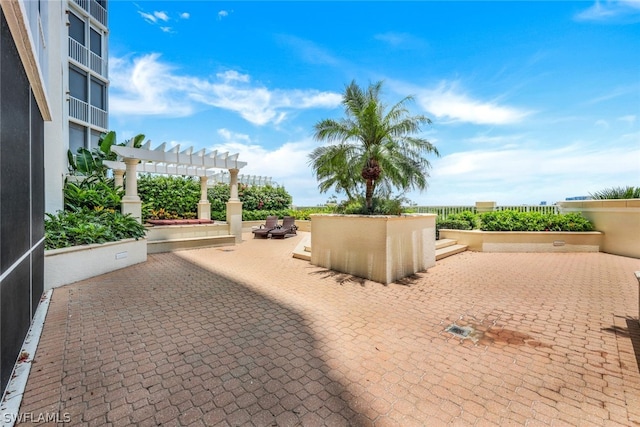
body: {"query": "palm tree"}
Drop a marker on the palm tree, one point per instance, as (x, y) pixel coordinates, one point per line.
(371, 146)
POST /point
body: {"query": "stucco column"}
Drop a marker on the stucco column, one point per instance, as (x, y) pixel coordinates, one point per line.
(234, 207)
(233, 185)
(485, 207)
(131, 203)
(118, 178)
(204, 207)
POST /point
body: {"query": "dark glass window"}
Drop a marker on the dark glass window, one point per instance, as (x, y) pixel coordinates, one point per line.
(78, 84)
(76, 28)
(77, 137)
(97, 94)
(95, 138)
(96, 42)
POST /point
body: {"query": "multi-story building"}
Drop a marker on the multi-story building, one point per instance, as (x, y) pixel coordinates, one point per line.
(53, 97)
(83, 90)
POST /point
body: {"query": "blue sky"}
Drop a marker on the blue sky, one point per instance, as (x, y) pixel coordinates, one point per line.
(530, 101)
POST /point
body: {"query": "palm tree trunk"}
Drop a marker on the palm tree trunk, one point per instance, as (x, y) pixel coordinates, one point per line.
(369, 195)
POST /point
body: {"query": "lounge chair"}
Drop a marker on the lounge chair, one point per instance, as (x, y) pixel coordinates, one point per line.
(270, 224)
(288, 227)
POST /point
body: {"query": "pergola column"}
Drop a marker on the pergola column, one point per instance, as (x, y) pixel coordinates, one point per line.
(234, 207)
(204, 207)
(118, 178)
(131, 203)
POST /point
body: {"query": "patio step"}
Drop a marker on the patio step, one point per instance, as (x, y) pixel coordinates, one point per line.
(303, 249)
(170, 245)
(443, 243)
(448, 247)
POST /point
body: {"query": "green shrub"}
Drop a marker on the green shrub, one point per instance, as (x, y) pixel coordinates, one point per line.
(176, 195)
(218, 196)
(509, 220)
(468, 217)
(91, 194)
(84, 227)
(628, 192)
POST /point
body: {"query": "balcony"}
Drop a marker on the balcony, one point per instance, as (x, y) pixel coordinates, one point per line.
(84, 56)
(82, 111)
(94, 9)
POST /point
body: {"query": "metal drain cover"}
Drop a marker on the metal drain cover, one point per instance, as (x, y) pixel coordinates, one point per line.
(459, 331)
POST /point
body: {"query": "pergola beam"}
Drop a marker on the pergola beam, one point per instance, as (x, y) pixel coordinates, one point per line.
(176, 157)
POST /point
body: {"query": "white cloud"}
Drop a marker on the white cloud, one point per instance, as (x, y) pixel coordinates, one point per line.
(161, 16)
(148, 17)
(621, 11)
(629, 119)
(401, 40)
(166, 29)
(233, 75)
(285, 164)
(185, 15)
(447, 101)
(222, 14)
(525, 175)
(310, 51)
(147, 86)
(602, 123)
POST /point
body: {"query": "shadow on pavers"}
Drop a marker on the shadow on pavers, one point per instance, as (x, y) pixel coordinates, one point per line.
(632, 331)
(172, 343)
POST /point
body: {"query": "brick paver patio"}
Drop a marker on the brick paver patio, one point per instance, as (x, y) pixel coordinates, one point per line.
(247, 335)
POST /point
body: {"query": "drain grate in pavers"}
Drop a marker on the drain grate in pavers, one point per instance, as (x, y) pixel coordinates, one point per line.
(459, 331)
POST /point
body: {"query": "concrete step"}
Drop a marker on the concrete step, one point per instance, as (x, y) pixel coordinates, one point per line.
(303, 249)
(450, 250)
(443, 243)
(176, 244)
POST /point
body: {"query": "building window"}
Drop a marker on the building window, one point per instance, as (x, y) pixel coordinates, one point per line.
(77, 137)
(95, 138)
(78, 84)
(76, 28)
(96, 42)
(98, 90)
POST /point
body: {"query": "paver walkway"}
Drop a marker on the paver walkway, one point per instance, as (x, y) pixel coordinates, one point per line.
(247, 335)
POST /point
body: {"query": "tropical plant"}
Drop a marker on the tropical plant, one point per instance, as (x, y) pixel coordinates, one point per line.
(628, 192)
(90, 163)
(92, 193)
(85, 226)
(372, 147)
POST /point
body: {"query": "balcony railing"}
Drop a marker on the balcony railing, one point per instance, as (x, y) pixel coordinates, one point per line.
(81, 110)
(84, 56)
(94, 9)
(78, 109)
(99, 117)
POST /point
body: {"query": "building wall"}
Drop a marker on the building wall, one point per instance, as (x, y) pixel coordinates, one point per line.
(56, 133)
(65, 53)
(21, 202)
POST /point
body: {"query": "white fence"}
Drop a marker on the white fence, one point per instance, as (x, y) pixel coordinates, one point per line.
(445, 211)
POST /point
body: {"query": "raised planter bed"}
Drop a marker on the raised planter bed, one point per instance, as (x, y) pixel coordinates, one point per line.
(380, 248)
(68, 265)
(178, 221)
(526, 241)
(619, 220)
(173, 237)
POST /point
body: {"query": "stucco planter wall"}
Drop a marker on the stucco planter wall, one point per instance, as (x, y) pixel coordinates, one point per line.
(68, 265)
(168, 232)
(525, 241)
(619, 220)
(380, 248)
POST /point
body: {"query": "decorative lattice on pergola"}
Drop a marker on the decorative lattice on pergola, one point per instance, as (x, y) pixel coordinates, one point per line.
(202, 163)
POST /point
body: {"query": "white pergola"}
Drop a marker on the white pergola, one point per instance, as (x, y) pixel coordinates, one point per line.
(203, 163)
